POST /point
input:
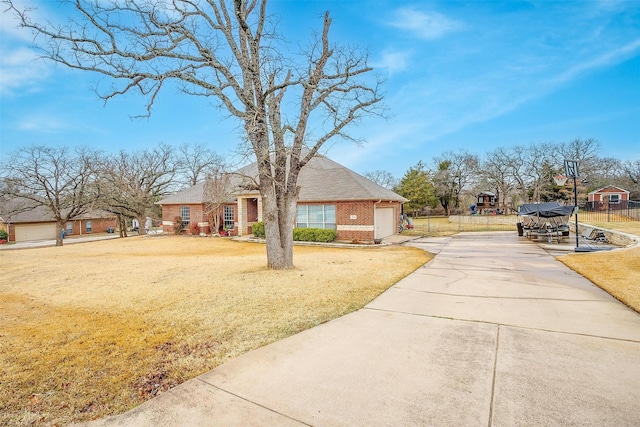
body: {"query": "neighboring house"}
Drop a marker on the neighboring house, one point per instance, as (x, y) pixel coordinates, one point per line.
(38, 224)
(610, 197)
(331, 196)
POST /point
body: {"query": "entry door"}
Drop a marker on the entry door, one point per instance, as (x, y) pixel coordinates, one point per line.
(384, 222)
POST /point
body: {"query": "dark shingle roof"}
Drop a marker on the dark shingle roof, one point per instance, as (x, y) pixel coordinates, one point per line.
(18, 212)
(321, 180)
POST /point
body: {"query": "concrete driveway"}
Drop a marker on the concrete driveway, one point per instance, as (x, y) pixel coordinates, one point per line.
(492, 332)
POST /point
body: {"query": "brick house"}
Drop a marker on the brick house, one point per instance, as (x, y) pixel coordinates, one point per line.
(38, 224)
(610, 197)
(331, 196)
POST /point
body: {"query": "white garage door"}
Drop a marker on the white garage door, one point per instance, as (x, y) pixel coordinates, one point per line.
(385, 222)
(27, 232)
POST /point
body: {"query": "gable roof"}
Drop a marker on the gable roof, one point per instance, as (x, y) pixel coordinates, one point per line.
(189, 196)
(20, 212)
(610, 189)
(323, 179)
(320, 180)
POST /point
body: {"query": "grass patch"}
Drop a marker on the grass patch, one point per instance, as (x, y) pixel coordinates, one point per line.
(94, 329)
(618, 271)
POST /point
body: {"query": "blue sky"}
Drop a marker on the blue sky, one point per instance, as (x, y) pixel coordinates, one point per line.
(459, 75)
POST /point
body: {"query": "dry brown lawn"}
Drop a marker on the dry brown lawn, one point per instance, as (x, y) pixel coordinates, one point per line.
(93, 329)
(618, 271)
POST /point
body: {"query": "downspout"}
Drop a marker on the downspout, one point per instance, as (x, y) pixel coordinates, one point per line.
(374, 218)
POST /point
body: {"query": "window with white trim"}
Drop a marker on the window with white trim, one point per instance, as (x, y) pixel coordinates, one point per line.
(185, 214)
(89, 227)
(69, 227)
(316, 216)
(614, 198)
(228, 217)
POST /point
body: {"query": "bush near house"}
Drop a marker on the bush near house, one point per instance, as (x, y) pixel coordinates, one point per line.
(177, 225)
(4, 236)
(258, 230)
(194, 228)
(314, 235)
(301, 234)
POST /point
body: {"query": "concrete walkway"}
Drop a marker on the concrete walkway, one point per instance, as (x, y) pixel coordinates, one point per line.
(52, 242)
(492, 332)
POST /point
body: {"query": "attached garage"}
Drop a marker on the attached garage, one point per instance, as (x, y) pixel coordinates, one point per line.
(26, 232)
(384, 222)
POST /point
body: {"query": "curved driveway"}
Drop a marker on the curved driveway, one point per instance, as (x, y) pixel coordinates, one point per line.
(492, 332)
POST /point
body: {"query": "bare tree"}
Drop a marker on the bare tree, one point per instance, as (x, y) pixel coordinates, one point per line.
(230, 51)
(218, 191)
(455, 172)
(497, 169)
(196, 162)
(55, 178)
(583, 151)
(632, 178)
(540, 161)
(383, 178)
(130, 183)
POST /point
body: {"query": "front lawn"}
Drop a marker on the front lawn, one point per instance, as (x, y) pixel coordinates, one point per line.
(94, 329)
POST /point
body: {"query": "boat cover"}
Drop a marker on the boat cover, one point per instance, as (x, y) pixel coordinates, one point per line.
(545, 210)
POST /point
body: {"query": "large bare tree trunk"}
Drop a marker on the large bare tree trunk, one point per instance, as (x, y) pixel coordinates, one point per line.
(279, 215)
(59, 228)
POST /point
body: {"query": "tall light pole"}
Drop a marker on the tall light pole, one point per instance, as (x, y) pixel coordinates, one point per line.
(571, 170)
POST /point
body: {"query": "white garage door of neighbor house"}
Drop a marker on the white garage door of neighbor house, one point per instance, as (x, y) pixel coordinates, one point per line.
(25, 233)
(385, 224)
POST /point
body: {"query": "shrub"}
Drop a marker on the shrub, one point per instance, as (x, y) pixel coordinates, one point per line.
(258, 230)
(301, 234)
(325, 235)
(177, 225)
(4, 235)
(314, 235)
(194, 228)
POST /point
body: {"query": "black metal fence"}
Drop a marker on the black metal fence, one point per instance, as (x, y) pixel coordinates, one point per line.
(623, 211)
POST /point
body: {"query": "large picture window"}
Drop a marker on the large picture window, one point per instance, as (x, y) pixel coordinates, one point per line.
(316, 216)
(185, 214)
(228, 218)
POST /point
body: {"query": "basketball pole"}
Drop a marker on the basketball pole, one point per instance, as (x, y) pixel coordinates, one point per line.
(575, 207)
(571, 169)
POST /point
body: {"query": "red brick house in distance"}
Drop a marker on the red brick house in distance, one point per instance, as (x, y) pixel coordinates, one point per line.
(39, 224)
(609, 197)
(331, 196)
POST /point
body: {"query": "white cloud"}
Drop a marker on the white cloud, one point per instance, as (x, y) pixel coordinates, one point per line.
(393, 61)
(425, 25)
(605, 59)
(20, 70)
(43, 123)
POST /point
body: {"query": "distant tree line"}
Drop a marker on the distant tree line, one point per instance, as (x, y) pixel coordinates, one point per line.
(71, 182)
(516, 175)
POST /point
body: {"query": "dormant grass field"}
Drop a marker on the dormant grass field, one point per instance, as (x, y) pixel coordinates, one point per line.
(93, 329)
(616, 272)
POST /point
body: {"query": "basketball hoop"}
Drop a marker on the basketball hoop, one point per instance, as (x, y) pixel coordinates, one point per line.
(560, 179)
